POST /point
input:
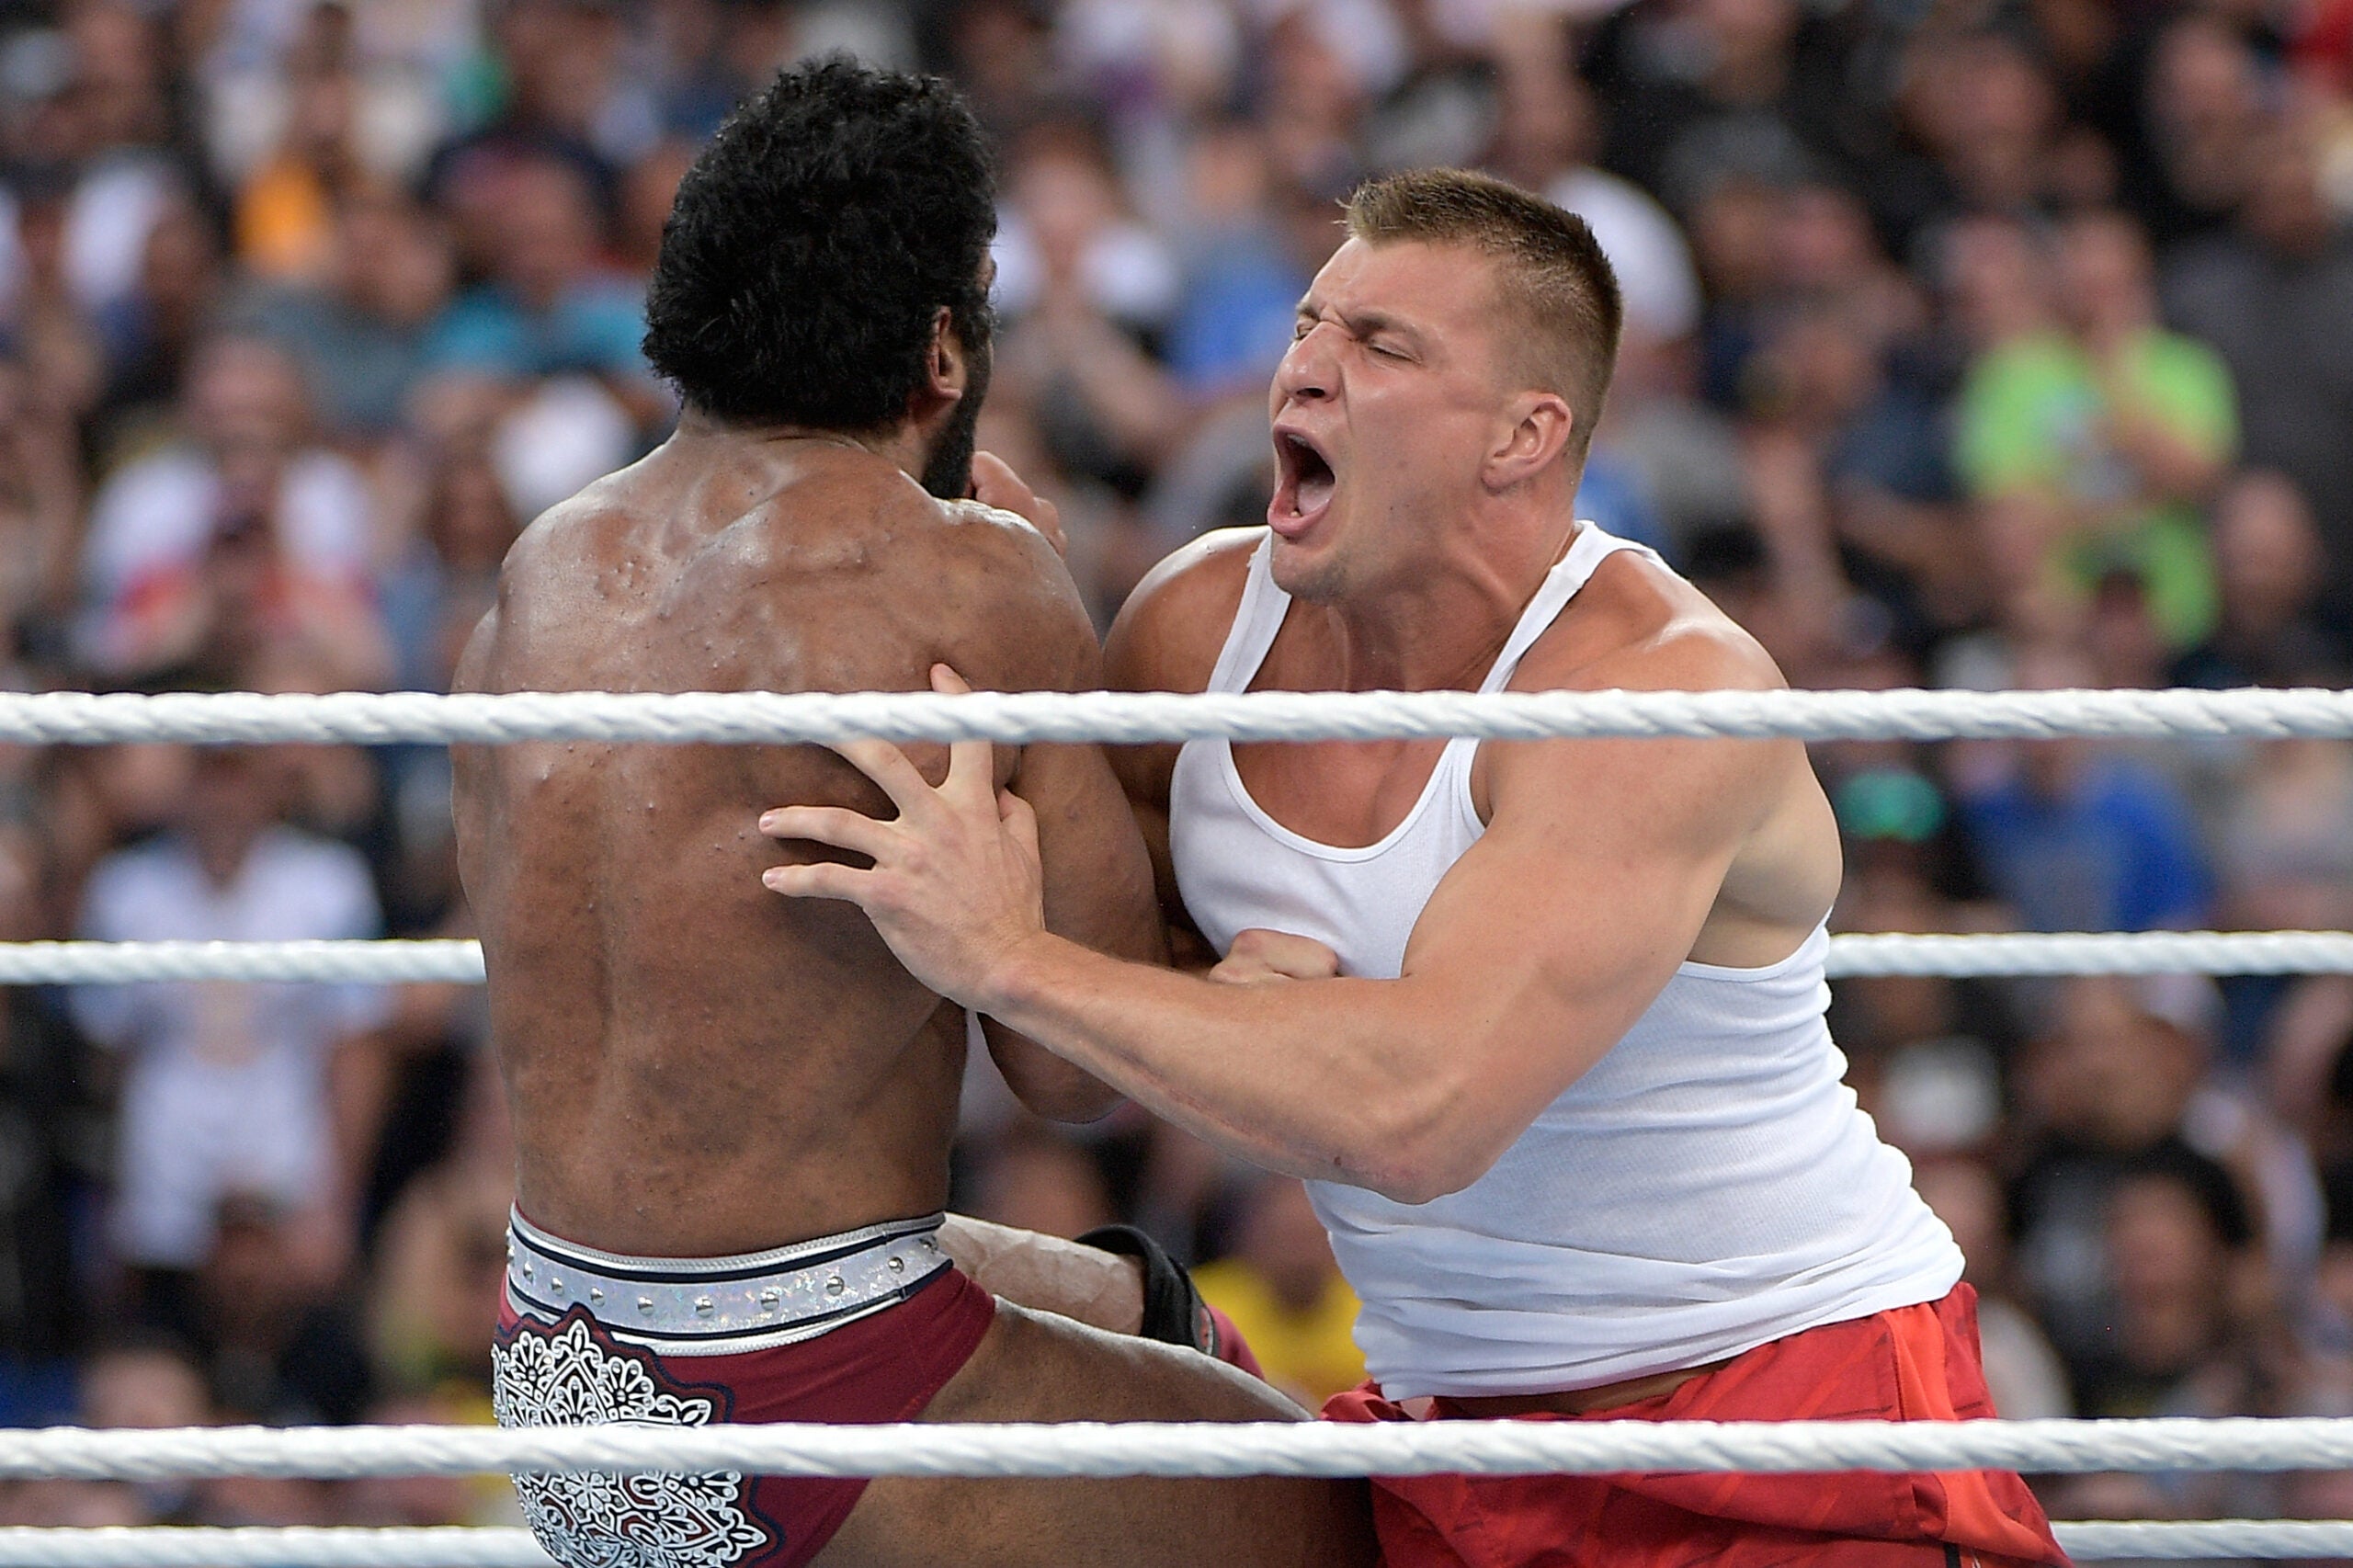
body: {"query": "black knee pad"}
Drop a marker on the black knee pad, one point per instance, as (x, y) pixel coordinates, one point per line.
(1174, 1313)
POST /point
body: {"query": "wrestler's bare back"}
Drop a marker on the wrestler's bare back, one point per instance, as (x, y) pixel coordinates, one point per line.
(695, 1066)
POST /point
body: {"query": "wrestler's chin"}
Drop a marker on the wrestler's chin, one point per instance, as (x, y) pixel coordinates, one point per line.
(1305, 562)
(1314, 573)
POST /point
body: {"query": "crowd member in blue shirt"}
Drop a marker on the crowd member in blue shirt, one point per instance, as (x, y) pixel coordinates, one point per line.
(548, 308)
(2078, 837)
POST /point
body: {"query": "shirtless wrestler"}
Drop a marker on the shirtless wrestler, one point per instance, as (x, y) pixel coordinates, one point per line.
(1542, 1023)
(733, 1115)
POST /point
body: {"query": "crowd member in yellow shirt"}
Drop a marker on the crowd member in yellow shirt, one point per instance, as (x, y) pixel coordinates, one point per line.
(1284, 1292)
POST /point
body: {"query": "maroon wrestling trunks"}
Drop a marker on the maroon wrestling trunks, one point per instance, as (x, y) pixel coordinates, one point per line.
(861, 1327)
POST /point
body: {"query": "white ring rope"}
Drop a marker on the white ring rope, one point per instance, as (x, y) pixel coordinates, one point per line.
(115, 963)
(1125, 718)
(1137, 1449)
(1852, 955)
(256, 1546)
(1177, 1448)
(158, 1546)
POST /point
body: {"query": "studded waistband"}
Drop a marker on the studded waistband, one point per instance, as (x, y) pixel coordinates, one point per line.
(722, 1306)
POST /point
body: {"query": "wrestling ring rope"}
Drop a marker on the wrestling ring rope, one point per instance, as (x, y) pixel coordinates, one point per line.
(1853, 954)
(1134, 718)
(1140, 1448)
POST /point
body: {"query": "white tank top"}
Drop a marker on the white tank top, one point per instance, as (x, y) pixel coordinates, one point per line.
(1707, 1185)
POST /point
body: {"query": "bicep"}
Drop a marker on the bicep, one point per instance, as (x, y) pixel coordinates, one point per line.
(1099, 877)
(1098, 884)
(1554, 932)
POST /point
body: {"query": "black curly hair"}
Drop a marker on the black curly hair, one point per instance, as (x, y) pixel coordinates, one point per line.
(814, 243)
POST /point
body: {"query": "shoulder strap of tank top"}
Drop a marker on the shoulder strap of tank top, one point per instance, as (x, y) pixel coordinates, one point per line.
(1256, 621)
(1587, 551)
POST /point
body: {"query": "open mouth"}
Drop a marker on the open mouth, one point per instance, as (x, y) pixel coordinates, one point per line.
(1303, 485)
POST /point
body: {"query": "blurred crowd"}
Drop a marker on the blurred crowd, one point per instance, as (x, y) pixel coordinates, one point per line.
(1970, 343)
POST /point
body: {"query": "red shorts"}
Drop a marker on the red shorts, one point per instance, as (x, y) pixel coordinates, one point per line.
(881, 1367)
(1911, 1364)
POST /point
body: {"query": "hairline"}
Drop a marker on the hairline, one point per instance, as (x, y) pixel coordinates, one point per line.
(1511, 299)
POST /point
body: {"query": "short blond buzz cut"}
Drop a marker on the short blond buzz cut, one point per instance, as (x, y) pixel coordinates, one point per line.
(1557, 288)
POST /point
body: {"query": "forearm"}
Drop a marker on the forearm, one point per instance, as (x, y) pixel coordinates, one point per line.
(1334, 1080)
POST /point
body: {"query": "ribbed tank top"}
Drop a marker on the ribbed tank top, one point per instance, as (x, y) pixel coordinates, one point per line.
(1709, 1185)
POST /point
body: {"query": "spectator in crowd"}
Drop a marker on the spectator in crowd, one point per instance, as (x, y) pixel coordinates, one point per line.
(2177, 1233)
(2199, 114)
(1082, 284)
(41, 496)
(278, 1348)
(106, 133)
(1983, 108)
(229, 1088)
(358, 326)
(1283, 1290)
(52, 1133)
(2286, 849)
(1722, 87)
(2077, 836)
(143, 1380)
(441, 1269)
(2273, 295)
(1241, 281)
(284, 211)
(2111, 1090)
(148, 337)
(2270, 573)
(2022, 1372)
(1035, 1181)
(433, 596)
(241, 534)
(2114, 430)
(547, 307)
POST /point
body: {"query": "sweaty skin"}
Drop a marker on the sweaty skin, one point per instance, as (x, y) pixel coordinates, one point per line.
(695, 1067)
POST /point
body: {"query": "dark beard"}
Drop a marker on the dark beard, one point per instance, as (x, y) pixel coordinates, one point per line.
(948, 473)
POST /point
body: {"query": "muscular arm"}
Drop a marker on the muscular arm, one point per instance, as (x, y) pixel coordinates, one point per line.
(1602, 862)
(1097, 876)
(1098, 895)
(1537, 950)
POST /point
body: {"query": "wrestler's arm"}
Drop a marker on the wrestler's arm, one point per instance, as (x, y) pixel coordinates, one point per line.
(1097, 877)
(1547, 940)
(1166, 638)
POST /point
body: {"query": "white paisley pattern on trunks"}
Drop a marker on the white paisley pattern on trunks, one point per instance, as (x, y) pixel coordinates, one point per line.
(602, 1518)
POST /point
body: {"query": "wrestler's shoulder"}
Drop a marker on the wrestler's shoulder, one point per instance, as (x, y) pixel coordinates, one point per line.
(587, 531)
(993, 533)
(1642, 627)
(1169, 633)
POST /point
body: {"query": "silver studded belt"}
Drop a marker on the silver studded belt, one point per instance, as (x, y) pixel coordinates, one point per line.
(721, 1306)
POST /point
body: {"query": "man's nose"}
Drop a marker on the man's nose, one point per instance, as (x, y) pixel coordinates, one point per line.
(1305, 373)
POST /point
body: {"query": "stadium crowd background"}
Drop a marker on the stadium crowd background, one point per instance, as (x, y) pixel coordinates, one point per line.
(1971, 343)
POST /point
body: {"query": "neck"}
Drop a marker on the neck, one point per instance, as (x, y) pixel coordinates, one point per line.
(902, 448)
(1441, 628)
(221, 855)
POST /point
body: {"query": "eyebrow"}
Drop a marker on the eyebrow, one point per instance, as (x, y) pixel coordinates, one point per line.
(1364, 323)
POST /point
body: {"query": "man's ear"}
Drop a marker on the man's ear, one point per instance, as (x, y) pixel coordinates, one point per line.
(948, 369)
(1541, 424)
